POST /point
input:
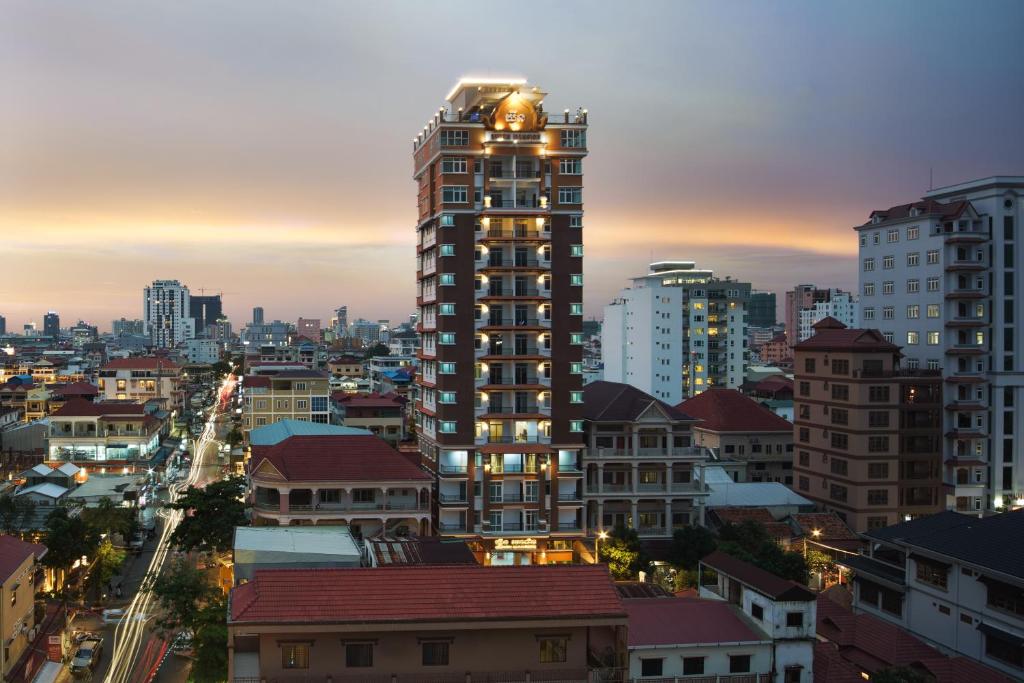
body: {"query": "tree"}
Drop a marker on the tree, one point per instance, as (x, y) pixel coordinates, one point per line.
(750, 542)
(181, 590)
(103, 565)
(689, 545)
(108, 518)
(624, 554)
(221, 368)
(898, 674)
(234, 437)
(15, 512)
(211, 515)
(210, 641)
(377, 349)
(67, 539)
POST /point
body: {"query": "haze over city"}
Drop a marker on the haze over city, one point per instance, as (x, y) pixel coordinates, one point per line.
(264, 153)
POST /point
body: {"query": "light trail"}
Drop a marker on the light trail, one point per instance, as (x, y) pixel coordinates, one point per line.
(129, 633)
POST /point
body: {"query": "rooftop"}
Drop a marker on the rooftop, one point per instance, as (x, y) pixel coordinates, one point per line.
(371, 400)
(685, 621)
(272, 434)
(615, 402)
(13, 552)
(140, 363)
(832, 335)
(271, 541)
(926, 208)
(340, 457)
(425, 550)
(727, 410)
(79, 407)
(416, 594)
(758, 579)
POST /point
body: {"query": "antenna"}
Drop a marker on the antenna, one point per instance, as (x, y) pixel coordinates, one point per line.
(930, 178)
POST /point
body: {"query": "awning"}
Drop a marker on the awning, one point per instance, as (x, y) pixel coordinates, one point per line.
(990, 630)
(48, 673)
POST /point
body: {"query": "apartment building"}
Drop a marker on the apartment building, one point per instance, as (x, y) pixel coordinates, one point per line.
(309, 328)
(738, 428)
(125, 326)
(940, 276)
(355, 480)
(640, 463)
(956, 581)
(140, 379)
(346, 366)
(166, 311)
(442, 622)
(868, 433)
(381, 414)
(86, 432)
(499, 401)
(807, 304)
(285, 395)
(18, 585)
(205, 309)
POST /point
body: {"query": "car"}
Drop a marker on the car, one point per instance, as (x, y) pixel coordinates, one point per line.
(87, 656)
(136, 543)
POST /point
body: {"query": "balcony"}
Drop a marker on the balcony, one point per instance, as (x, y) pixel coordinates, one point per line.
(455, 499)
(521, 380)
(531, 409)
(965, 350)
(514, 263)
(965, 265)
(651, 487)
(652, 531)
(511, 352)
(569, 526)
(516, 233)
(963, 321)
(455, 528)
(452, 469)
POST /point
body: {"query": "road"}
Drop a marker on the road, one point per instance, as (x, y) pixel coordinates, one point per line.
(135, 652)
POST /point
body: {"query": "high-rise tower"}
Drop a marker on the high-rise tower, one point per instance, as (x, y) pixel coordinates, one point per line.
(500, 284)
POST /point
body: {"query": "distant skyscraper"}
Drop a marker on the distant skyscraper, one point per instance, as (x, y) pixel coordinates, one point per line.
(166, 309)
(51, 324)
(257, 315)
(125, 326)
(3, 325)
(762, 309)
(821, 303)
(205, 310)
(341, 321)
(308, 328)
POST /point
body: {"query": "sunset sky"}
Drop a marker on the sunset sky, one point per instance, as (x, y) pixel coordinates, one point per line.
(264, 149)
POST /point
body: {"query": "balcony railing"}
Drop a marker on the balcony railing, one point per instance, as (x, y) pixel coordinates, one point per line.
(514, 263)
(512, 409)
(570, 497)
(512, 322)
(452, 498)
(509, 438)
(519, 232)
(528, 379)
(341, 507)
(512, 351)
(458, 528)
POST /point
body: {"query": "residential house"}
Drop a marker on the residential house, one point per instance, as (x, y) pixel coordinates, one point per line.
(141, 378)
(384, 415)
(18, 564)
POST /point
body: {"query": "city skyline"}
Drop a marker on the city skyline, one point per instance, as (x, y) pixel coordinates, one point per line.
(235, 169)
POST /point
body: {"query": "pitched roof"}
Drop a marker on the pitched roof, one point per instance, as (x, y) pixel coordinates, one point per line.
(411, 593)
(928, 208)
(141, 363)
(277, 432)
(832, 335)
(49, 489)
(371, 400)
(14, 551)
(685, 621)
(831, 526)
(758, 579)
(727, 410)
(79, 407)
(423, 550)
(75, 389)
(339, 457)
(978, 541)
(615, 402)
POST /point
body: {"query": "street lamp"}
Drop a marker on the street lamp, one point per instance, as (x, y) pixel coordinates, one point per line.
(600, 537)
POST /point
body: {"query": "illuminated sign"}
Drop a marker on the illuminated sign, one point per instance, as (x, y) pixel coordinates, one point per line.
(515, 544)
(516, 113)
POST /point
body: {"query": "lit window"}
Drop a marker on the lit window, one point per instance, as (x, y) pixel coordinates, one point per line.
(576, 250)
(446, 309)
(447, 426)
(575, 309)
(575, 425)
(576, 279)
(575, 397)
(447, 250)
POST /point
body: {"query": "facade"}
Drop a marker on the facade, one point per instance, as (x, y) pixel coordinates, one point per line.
(366, 331)
(356, 480)
(640, 464)
(784, 610)
(642, 339)
(203, 350)
(868, 434)
(135, 327)
(275, 333)
(18, 585)
(340, 322)
(411, 623)
(500, 277)
(762, 309)
(308, 328)
(346, 366)
(85, 432)
(285, 395)
(736, 427)
(807, 304)
(955, 581)
(167, 312)
(941, 277)
(51, 324)
(140, 379)
(383, 415)
(257, 315)
(205, 310)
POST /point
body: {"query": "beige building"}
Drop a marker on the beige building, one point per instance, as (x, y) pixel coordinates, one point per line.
(285, 395)
(457, 623)
(103, 433)
(142, 378)
(346, 366)
(17, 598)
(740, 429)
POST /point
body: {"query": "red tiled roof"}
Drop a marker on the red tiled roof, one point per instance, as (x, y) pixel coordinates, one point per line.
(262, 381)
(449, 593)
(684, 621)
(757, 578)
(830, 667)
(832, 335)
(927, 207)
(141, 363)
(14, 551)
(731, 515)
(76, 389)
(372, 400)
(339, 457)
(727, 410)
(831, 526)
(79, 407)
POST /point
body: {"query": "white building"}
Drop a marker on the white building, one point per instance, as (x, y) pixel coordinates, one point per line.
(203, 351)
(165, 312)
(939, 277)
(843, 306)
(713, 322)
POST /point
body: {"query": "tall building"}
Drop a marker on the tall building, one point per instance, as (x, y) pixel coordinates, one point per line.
(220, 331)
(868, 433)
(3, 325)
(341, 321)
(205, 310)
(713, 320)
(942, 278)
(51, 324)
(499, 250)
(807, 304)
(166, 312)
(761, 312)
(257, 315)
(308, 328)
(125, 326)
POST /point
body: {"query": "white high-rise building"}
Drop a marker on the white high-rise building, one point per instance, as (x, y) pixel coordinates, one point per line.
(843, 306)
(711, 318)
(940, 278)
(165, 312)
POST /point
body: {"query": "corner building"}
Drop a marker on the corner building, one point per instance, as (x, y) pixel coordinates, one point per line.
(499, 407)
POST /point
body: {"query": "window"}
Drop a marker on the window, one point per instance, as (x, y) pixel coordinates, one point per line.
(869, 265)
(841, 392)
(575, 309)
(888, 262)
(869, 313)
(576, 250)
(454, 138)
(453, 165)
(932, 311)
(878, 497)
(1004, 649)
(932, 284)
(553, 650)
(809, 365)
(576, 279)
(447, 250)
(913, 258)
(912, 336)
(893, 235)
(840, 441)
(358, 655)
(447, 220)
(913, 286)
(932, 573)
(575, 425)
(932, 257)
(874, 237)
(933, 338)
(573, 138)
(878, 444)
(446, 368)
(295, 655)
(448, 279)
(795, 619)
(693, 666)
(804, 434)
(757, 611)
(840, 366)
(878, 470)
(838, 466)
(570, 166)
(805, 388)
(651, 667)
(576, 368)
(576, 221)
(435, 653)
(447, 427)
(446, 338)
(878, 394)
(869, 289)
(805, 484)
(837, 493)
(446, 397)
(888, 312)
(570, 195)
(575, 338)
(888, 287)
(454, 193)
(739, 664)
(913, 232)
(575, 397)
(878, 418)
(839, 416)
